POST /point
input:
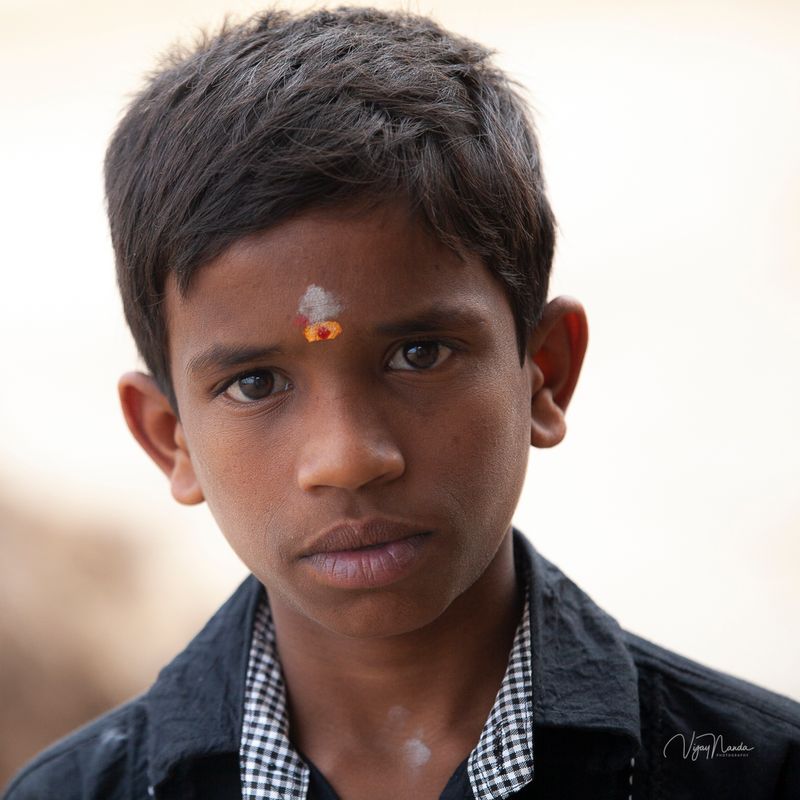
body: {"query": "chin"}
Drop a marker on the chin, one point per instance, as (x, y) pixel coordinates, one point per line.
(378, 615)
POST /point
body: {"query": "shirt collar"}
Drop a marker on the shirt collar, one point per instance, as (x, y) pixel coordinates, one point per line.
(502, 761)
(583, 676)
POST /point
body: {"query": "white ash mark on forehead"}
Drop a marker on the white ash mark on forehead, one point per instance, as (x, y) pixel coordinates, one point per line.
(318, 305)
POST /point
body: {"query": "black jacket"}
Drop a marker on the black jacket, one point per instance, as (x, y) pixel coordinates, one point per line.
(615, 716)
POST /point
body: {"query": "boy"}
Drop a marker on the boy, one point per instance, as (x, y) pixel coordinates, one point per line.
(333, 246)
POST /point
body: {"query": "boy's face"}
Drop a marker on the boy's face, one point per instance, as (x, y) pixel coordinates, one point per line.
(416, 417)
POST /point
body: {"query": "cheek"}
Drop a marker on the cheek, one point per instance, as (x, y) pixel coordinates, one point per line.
(245, 476)
(481, 455)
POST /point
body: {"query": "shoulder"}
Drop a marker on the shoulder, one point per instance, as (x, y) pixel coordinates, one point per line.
(681, 682)
(103, 759)
(195, 700)
(707, 733)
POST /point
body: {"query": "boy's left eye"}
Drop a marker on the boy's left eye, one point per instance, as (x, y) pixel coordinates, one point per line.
(420, 355)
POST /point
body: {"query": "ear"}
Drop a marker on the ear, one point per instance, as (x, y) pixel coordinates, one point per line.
(556, 349)
(158, 430)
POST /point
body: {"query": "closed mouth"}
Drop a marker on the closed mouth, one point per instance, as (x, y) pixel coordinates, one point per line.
(354, 535)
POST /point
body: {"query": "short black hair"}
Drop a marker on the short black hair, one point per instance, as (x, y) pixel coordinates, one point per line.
(283, 112)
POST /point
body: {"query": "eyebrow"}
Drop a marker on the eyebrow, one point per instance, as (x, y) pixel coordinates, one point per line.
(433, 319)
(223, 357)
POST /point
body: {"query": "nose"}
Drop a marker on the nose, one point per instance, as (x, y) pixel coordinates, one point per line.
(348, 446)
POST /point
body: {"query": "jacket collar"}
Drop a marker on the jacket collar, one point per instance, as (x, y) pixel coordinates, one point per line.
(584, 678)
(194, 709)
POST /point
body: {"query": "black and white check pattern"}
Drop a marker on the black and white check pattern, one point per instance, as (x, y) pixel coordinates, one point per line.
(502, 761)
(271, 769)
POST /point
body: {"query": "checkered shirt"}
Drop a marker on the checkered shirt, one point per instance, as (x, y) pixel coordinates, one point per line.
(271, 769)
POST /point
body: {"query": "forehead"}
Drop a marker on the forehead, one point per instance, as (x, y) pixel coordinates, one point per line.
(378, 265)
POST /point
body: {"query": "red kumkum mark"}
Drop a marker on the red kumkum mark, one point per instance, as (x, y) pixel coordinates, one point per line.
(322, 331)
(301, 321)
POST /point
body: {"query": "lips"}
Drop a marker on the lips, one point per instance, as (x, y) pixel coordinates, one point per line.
(358, 534)
(365, 554)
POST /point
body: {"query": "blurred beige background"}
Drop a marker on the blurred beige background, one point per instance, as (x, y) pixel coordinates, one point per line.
(670, 136)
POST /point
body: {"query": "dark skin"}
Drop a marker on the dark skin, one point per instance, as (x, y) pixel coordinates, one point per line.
(419, 412)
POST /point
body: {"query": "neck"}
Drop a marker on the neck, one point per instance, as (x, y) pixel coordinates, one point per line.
(377, 695)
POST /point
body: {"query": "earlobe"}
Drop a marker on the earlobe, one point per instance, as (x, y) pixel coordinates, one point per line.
(158, 430)
(556, 350)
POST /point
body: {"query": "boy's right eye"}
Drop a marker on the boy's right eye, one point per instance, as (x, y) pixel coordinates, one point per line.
(256, 385)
